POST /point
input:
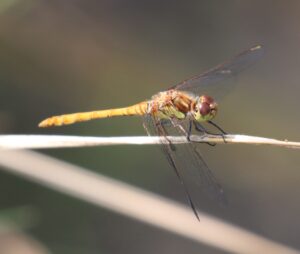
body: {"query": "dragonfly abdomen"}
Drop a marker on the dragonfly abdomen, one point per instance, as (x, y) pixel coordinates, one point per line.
(137, 109)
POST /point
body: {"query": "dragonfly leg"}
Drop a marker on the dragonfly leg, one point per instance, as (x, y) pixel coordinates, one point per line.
(219, 128)
(210, 143)
(186, 132)
(189, 131)
(158, 125)
(199, 127)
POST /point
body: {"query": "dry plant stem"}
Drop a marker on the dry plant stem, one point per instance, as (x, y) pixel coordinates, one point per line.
(61, 141)
(136, 203)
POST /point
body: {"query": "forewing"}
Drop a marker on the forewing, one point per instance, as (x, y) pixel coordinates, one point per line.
(210, 83)
(186, 160)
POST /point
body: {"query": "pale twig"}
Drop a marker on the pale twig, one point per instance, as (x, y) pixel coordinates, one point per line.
(136, 203)
(61, 141)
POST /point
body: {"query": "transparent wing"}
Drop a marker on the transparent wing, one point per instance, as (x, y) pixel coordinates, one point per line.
(205, 83)
(186, 160)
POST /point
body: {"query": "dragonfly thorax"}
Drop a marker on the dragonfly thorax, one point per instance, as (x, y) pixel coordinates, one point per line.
(182, 105)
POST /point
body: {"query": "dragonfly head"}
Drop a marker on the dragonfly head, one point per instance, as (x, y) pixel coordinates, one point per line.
(205, 109)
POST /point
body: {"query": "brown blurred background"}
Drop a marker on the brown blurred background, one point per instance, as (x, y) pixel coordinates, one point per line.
(67, 56)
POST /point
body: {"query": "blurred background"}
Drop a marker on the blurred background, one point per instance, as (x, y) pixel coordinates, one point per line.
(67, 56)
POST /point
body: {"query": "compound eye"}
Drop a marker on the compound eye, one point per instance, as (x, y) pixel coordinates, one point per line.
(205, 109)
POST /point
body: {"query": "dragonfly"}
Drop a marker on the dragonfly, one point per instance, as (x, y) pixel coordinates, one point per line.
(182, 109)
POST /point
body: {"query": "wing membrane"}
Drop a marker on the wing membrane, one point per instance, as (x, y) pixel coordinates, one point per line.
(186, 160)
(202, 83)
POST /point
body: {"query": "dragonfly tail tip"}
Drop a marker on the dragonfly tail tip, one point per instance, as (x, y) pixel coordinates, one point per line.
(43, 124)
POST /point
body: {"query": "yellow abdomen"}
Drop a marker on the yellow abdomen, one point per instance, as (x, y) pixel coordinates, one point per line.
(137, 109)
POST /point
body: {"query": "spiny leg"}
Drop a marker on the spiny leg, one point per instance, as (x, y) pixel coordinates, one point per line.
(219, 128)
(189, 131)
(158, 124)
(200, 128)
